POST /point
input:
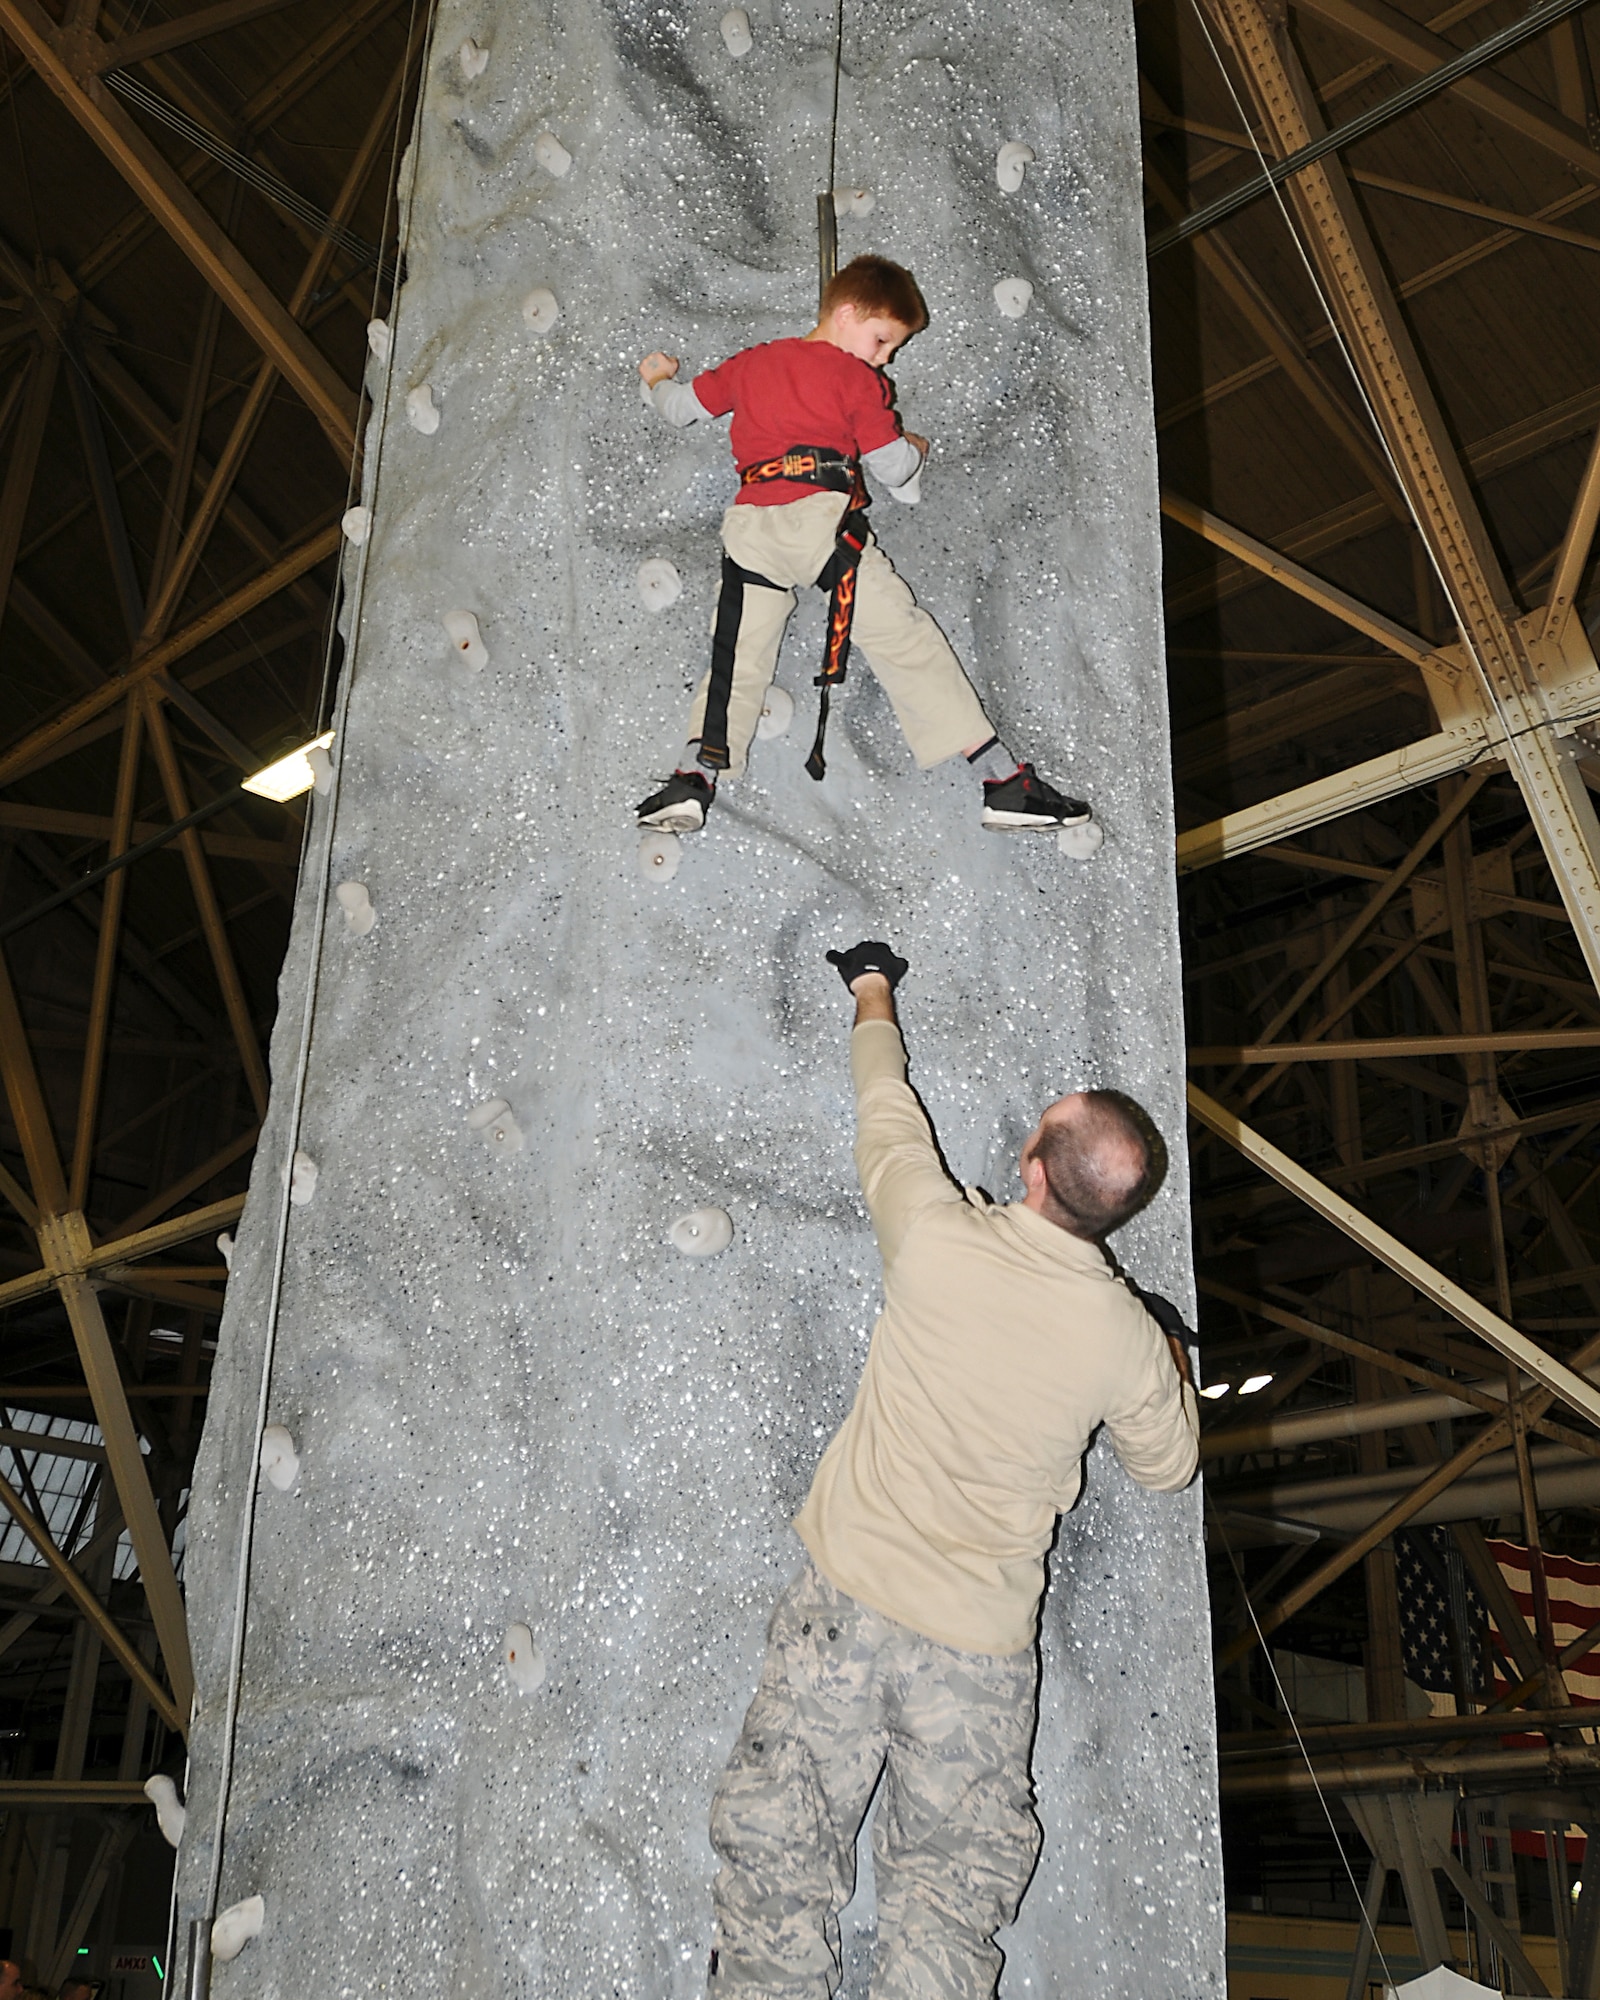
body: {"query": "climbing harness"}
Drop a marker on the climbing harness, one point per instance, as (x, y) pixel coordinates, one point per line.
(812, 465)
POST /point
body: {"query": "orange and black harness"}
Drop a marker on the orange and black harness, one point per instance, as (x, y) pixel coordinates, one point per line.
(810, 465)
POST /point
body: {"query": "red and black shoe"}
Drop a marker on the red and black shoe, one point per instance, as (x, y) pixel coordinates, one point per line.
(1024, 803)
(681, 804)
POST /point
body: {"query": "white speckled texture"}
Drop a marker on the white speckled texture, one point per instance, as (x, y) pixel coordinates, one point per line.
(513, 1400)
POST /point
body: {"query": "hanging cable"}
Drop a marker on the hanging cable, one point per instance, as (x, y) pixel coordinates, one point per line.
(327, 820)
(265, 182)
(1316, 1785)
(1510, 736)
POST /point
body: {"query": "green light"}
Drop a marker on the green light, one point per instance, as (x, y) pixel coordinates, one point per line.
(83, 1951)
(157, 1964)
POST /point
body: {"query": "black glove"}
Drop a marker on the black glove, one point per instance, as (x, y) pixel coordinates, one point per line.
(1167, 1316)
(869, 957)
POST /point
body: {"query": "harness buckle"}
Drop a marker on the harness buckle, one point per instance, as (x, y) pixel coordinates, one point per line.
(797, 464)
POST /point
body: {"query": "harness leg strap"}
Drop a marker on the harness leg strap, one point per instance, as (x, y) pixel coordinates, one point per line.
(714, 753)
(839, 580)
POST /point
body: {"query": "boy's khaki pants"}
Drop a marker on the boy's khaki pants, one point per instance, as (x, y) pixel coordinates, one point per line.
(932, 698)
(846, 1694)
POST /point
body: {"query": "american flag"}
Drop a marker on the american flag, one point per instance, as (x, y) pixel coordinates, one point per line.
(1422, 1585)
(1574, 1607)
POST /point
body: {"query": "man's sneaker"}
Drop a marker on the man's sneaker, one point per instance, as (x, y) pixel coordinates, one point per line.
(1024, 803)
(681, 804)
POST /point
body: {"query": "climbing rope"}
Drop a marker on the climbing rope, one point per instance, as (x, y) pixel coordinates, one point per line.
(198, 1974)
(827, 214)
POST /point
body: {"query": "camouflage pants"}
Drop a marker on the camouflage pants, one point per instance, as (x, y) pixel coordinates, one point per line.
(847, 1694)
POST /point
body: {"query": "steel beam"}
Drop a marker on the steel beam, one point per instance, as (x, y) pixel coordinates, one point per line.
(36, 747)
(1561, 1381)
(67, 64)
(1500, 648)
(1512, 1041)
(1375, 625)
(91, 1607)
(1341, 792)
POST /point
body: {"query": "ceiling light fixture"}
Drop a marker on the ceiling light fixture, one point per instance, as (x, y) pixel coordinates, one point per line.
(1252, 1383)
(290, 775)
(1213, 1390)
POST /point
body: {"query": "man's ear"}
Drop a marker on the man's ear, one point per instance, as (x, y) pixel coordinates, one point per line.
(1032, 1173)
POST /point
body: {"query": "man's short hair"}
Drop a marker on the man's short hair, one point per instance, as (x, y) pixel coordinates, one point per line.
(1101, 1163)
(875, 286)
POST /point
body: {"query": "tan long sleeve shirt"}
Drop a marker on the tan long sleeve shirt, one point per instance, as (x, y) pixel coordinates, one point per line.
(1003, 1344)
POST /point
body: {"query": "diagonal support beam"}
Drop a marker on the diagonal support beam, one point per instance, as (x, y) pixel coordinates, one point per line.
(1555, 1376)
(1324, 799)
(1388, 632)
(64, 1240)
(210, 910)
(24, 460)
(105, 961)
(1399, 39)
(35, 748)
(74, 1587)
(1502, 654)
(186, 220)
(107, 501)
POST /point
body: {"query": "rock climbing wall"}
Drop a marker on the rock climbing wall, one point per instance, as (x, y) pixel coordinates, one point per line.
(515, 1397)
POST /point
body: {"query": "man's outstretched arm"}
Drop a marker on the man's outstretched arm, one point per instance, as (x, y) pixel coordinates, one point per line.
(896, 1157)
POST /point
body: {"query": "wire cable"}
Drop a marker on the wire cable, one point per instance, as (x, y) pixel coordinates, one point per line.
(254, 175)
(1311, 1769)
(1509, 735)
(326, 821)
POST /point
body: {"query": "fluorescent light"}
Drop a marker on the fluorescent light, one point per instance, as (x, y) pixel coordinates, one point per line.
(1252, 1383)
(291, 775)
(1213, 1390)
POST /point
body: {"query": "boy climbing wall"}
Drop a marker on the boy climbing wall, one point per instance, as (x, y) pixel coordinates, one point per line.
(808, 414)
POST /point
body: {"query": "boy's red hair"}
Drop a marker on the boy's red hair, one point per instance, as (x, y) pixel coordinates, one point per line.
(875, 285)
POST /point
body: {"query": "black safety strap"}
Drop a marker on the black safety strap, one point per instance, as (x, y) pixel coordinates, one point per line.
(713, 753)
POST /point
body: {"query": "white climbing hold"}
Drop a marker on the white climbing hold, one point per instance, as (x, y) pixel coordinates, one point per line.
(552, 155)
(357, 524)
(501, 1132)
(474, 61)
(854, 201)
(359, 915)
(422, 409)
(280, 1462)
(659, 584)
(659, 855)
(736, 35)
(702, 1233)
(225, 1245)
(1081, 841)
(1010, 163)
(540, 310)
(462, 627)
(302, 1179)
(1012, 296)
(523, 1660)
(777, 712)
(320, 765)
(170, 1815)
(378, 338)
(237, 1925)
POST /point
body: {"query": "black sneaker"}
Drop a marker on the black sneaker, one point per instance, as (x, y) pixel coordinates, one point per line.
(1024, 803)
(681, 804)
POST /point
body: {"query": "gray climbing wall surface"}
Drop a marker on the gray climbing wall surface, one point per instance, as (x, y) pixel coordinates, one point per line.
(514, 1400)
